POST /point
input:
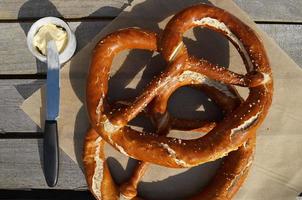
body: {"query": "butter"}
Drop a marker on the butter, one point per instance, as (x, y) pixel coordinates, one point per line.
(50, 32)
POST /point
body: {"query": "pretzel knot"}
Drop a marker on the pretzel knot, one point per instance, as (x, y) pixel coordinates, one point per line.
(236, 131)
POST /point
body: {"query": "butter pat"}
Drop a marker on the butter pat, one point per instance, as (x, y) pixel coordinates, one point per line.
(50, 32)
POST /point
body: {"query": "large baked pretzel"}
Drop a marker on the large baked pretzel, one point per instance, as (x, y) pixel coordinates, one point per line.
(228, 135)
(224, 185)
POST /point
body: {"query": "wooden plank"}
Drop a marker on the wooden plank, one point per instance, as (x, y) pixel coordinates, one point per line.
(272, 10)
(289, 38)
(27, 9)
(45, 194)
(15, 58)
(259, 10)
(20, 166)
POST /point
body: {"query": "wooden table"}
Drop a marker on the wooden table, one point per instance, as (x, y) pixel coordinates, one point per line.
(21, 75)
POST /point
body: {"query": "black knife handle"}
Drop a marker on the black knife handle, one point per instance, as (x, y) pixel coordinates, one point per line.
(51, 153)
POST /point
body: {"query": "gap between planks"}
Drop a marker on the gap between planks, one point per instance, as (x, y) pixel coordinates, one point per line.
(21, 135)
(21, 167)
(45, 194)
(23, 76)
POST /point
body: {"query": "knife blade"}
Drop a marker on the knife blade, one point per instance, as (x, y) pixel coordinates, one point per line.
(50, 142)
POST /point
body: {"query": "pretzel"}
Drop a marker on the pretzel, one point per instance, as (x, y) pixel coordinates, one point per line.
(224, 185)
(227, 136)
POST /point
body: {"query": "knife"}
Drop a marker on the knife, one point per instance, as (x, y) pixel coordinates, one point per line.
(50, 142)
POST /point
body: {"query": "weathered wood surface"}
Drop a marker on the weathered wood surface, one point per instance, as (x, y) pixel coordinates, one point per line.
(21, 166)
(12, 94)
(259, 10)
(16, 59)
(45, 194)
(29, 9)
(272, 10)
(289, 38)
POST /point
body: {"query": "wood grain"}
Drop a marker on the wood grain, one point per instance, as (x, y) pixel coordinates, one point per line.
(21, 166)
(272, 10)
(13, 93)
(289, 38)
(29, 9)
(45, 194)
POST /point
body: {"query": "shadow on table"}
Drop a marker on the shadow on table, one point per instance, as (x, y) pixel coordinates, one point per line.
(208, 45)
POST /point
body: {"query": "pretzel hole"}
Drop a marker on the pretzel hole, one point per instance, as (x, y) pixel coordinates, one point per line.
(205, 43)
(142, 123)
(185, 135)
(243, 91)
(236, 63)
(169, 183)
(160, 183)
(192, 103)
(121, 167)
(130, 73)
(157, 177)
